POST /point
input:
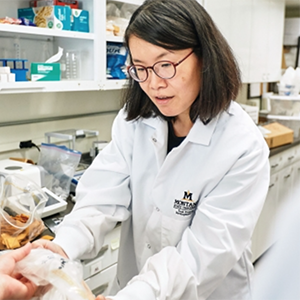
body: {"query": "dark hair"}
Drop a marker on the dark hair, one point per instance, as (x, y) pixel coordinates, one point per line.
(177, 25)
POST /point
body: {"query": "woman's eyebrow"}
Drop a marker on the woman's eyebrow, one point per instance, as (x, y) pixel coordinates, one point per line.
(157, 58)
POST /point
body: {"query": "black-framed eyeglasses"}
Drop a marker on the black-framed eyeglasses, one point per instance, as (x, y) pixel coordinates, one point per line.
(164, 69)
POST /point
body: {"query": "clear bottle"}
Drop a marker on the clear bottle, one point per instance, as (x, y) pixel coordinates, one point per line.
(71, 65)
(17, 51)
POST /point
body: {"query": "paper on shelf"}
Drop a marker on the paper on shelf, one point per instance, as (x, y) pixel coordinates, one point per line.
(56, 57)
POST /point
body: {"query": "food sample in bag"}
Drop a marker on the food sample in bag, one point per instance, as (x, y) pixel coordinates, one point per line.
(12, 232)
(21, 205)
(44, 267)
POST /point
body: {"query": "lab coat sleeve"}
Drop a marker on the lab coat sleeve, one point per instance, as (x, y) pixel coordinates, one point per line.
(216, 239)
(102, 199)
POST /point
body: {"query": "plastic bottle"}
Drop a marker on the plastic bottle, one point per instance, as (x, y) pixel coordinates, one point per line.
(71, 65)
(17, 52)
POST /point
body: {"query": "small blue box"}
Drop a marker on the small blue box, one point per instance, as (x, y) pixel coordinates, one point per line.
(80, 20)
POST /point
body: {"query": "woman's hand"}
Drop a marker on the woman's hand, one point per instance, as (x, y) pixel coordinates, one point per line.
(50, 246)
(14, 286)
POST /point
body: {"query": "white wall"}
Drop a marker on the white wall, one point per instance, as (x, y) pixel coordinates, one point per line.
(37, 111)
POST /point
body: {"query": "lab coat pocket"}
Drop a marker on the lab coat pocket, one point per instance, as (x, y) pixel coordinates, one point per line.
(165, 231)
(172, 229)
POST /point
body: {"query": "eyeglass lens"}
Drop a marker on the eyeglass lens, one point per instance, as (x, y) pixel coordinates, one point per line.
(163, 69)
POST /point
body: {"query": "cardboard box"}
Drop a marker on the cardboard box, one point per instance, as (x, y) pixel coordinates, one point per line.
(54, 17)
(71, 3)
(45, 72)
(280, 135)
(80, 20)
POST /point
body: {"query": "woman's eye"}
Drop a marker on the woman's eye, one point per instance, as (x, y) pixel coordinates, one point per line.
(165, 65)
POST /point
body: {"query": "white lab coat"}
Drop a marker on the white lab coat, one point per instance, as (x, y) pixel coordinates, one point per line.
(187, 216)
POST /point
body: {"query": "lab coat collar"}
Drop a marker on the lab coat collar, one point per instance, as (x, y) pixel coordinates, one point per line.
(199, 134)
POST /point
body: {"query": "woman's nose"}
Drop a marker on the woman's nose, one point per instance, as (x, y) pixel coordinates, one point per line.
(155, 82)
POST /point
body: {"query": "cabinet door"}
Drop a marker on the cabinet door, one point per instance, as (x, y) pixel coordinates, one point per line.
(233, 19)
(263, 235)
(259, 36)
(296, 179)
(275, 40)
(286, 182)
(266, 40)
(254, 30)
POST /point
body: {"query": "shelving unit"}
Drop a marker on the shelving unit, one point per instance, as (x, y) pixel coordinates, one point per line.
(92, 48)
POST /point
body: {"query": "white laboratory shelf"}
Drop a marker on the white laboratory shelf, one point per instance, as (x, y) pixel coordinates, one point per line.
(47, 86)
(113, 84)
(115, 39)
(12, 30)
(34, 40)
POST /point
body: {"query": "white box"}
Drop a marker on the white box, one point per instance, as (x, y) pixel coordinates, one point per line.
(4, 70)
(3, 77)
(291, 31)
(11, 77)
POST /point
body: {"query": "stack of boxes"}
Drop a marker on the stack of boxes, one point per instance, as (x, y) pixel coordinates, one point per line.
(56, 14)
(6, 75)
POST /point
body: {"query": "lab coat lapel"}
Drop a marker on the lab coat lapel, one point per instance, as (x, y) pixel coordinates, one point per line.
(201, 133)
(159, 138)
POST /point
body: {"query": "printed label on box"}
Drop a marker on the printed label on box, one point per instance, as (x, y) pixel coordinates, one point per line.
(45, 72)
(54, 17)
(80, 20)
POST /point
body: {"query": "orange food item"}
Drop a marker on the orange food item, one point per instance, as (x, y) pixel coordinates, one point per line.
(12, 237)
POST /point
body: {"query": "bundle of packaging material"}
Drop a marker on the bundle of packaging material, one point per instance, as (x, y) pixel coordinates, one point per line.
(6, 75)
(290, 82)
(117, 18)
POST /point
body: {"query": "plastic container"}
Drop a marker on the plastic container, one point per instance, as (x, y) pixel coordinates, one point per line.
(290, 122)
(72, 65)
(286, 111)
(284, 105)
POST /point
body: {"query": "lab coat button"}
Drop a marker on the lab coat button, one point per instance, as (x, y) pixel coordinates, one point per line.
(157, 209)
(148, 246)
(154, 140)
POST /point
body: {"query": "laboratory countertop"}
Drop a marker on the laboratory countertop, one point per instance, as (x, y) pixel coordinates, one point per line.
(282, 148)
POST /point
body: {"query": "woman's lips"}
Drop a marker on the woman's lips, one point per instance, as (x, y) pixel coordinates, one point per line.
(163, 100)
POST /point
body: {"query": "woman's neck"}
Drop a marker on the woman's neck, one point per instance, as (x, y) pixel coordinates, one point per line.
(182, 126)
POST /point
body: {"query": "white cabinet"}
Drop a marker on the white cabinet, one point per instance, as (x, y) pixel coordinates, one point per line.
(91, 46)
(99, 273)
(254, 30)
(284, 186)
(266, 41)
(263, 236)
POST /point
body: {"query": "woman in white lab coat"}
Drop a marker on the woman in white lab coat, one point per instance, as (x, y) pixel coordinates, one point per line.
(186, 171)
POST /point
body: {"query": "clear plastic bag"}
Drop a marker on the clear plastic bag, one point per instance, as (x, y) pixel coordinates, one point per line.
(60, 163)
(44, 267)
(21, 205)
